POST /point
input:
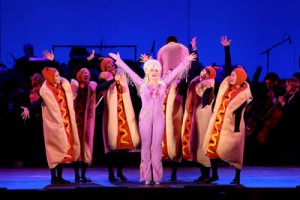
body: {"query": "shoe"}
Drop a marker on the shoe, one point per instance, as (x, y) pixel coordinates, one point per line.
(54, 181)
(77, 179)
(235, 181)
(211, 179)
(112, 178)
(85, 179)
(63, 181)
(173, 178)
(147, 182)
(199, 179)
(202, 179)
(122, 177)
(157, 183)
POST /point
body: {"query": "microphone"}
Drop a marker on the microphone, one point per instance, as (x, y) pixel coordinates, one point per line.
(101, 44)
(289, 38)
(152, 48)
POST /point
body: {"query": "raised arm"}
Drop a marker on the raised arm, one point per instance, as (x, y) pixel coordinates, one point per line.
(120, 63)
(195, 66)
(50, 56)
(226, 44)
(179, 70)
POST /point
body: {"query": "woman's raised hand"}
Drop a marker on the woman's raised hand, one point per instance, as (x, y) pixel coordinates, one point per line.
(49, 55)
(145, 57)
(224, 41)
(191, 57)
(91, 56)
(115, 56)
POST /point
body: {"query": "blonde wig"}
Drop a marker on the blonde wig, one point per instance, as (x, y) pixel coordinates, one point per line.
(151, 64)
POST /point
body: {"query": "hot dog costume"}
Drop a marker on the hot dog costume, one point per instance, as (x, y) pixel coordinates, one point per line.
(170, 56)
(196, 117)
(225, 137)
(59, 123)
(119, 125)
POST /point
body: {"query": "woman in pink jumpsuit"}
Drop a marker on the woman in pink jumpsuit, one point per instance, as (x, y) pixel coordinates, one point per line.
(152, 118)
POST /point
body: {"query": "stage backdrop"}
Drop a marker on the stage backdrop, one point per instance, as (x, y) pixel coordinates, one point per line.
(257, 28)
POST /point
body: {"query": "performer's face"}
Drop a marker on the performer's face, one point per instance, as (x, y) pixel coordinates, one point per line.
(154, 74)
(86, 76)
(204, 74)
(56, 77)
(110, 67)
(232, 78)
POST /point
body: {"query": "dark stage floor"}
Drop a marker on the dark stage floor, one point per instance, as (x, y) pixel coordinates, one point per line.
(256, 183)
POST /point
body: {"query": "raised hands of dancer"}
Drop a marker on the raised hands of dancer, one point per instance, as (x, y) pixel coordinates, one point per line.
(224, 41)
(91, 56)
(194, 43)
(25, 114)
(145, 57)
(115, 56)
(191, 57)
(49, 55)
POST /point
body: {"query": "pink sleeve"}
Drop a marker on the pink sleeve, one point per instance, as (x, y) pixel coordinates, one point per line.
(178, 71)
(134, 77)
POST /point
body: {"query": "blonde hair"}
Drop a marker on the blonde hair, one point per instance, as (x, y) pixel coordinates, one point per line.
(151, 64)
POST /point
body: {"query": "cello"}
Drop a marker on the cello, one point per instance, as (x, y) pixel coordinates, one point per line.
(269, 121)
(263, 124)
(263, 115)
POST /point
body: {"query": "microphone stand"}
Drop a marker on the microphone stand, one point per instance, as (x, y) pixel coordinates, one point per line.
(267, 52)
